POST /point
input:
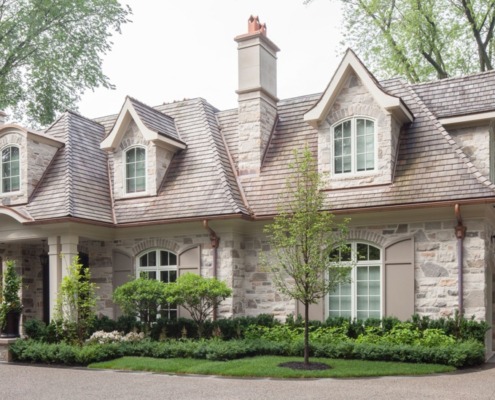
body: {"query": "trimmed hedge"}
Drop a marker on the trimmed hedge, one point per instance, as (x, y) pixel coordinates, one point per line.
(461, 354)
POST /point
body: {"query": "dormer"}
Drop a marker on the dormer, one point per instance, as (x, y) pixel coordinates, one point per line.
(26, 154)
(358, 127)
(140, 146)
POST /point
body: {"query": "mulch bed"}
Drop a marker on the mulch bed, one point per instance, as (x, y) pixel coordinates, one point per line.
(312, 366)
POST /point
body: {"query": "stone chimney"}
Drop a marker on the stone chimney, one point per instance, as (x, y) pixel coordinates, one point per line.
(257, 95)
(3, 117)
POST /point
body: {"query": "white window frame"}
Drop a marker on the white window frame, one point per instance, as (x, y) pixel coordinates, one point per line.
(157, 269)
(124, 162)
(2, 190)
(354, 170)
(355, 264)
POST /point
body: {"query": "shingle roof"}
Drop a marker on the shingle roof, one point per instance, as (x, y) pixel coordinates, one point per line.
(201, 180)
(155, 120)
(76, 183)
(459, 96)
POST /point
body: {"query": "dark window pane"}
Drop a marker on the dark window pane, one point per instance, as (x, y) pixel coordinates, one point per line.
(152, 259)
(172, 276)
(374, 253)
(173, 259)
(164, 258)
(362, 251)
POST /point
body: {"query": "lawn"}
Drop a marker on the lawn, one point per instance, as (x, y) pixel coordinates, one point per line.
(267, 366)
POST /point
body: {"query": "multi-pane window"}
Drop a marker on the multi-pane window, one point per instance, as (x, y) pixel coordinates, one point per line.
(135, 170)
(361, 297)
(11, 172)
(160, 265)
(354, 146)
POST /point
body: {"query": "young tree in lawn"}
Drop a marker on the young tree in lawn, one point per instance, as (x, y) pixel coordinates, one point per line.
(198, 295)
(303, 238)
(52, 52)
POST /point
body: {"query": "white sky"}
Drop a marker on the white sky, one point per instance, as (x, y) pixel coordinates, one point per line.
(176, 49)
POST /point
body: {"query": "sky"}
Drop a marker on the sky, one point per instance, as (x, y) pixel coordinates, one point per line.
(176, 49)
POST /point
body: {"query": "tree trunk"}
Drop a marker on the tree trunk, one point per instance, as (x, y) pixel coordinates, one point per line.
(306, 333)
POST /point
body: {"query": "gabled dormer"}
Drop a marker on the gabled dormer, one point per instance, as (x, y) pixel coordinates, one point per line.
(25, 156)
(358, 127)
(141, 146)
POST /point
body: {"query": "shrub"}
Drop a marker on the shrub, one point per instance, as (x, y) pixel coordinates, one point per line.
(198, 295)
(141, 298)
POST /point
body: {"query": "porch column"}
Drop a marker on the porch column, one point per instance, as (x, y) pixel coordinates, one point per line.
(55, 271)
(61, 250)
(69, 251)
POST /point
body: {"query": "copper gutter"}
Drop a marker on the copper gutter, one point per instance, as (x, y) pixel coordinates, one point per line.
(460, 233)
(215, 241)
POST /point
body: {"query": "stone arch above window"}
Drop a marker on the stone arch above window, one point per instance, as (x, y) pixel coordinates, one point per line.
(370, 111)
(155, 243)
(367, 236)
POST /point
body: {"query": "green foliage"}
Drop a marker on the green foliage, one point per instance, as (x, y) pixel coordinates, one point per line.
(141, 298)
(303, 237)
(11, 302)
(421, 39)
(461, 354)
(198, 295)
(52, 52)
(76, 303)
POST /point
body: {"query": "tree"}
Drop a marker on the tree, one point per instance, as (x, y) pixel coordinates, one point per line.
(198, 295)
(141, 298)
(76, 302)
(421, 39)
(9, 293)
(303, 239)
(52, 51)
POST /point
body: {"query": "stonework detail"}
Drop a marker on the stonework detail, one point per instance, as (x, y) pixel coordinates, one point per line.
(256, 121)
(475, 143)
(354, 100)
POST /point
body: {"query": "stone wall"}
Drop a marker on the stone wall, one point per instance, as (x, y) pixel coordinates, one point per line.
(475, 142)
(355, 101)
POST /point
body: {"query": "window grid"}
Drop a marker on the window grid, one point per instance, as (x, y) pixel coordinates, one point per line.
(11, 174)
(354, 146)
(361, 298)
(135, 167)
(160, 265)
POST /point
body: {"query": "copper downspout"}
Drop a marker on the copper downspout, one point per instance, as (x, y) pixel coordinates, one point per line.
(460, 233)
(215, 241)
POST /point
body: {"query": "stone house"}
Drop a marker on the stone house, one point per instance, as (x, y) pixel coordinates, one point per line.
(186, 187)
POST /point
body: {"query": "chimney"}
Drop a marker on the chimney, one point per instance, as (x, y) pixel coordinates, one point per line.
(257, 95)
(3, 117)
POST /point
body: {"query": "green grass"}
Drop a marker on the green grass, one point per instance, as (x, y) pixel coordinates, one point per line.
(267, 366)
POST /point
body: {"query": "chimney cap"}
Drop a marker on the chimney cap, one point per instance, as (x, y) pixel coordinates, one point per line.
(254, 25)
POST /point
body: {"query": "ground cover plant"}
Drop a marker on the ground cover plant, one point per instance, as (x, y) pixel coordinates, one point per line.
(457, 342)
(268, 366)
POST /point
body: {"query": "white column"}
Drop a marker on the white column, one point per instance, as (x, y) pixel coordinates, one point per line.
(69, 251)
(61, 251)
(55, 271)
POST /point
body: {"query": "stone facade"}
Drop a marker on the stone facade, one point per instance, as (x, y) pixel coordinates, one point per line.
(475, 143)
(354, 100)
(34, 159)
(256, 121)
(157, 161)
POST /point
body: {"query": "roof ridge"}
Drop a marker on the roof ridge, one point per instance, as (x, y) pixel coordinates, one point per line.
(223, 179)
(68, 159)
(472, 169)
(132, 99)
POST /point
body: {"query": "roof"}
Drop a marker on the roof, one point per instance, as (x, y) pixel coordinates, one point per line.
(201, 180)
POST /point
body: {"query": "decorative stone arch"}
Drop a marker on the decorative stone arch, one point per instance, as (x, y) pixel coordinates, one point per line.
(364, 110)
(155, 243)
(367, 236)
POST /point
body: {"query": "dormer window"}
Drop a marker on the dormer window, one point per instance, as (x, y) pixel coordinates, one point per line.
(11, 172)
(135, 170)
(354, 146)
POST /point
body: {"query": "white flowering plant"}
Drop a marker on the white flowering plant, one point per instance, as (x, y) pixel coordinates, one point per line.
(102, 337)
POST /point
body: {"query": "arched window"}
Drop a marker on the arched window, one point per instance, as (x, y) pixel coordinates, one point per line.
(161, 265)
(135, 170)
(354, 146)
(11, 172)
(361, 298)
